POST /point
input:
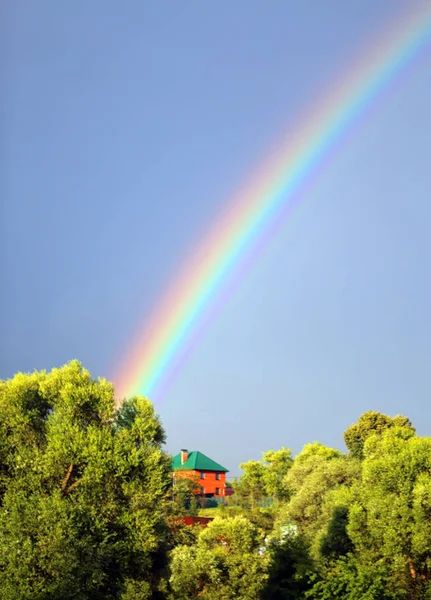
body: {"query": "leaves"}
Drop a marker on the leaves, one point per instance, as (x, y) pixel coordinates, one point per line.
(371, 423)
(86, 493)
(225, 563)
(264, 480)
(83, 489)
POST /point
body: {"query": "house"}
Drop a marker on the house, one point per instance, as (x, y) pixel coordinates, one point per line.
(210, 477)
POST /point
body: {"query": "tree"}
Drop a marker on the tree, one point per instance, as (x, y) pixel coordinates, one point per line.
(390, 520)
(320, 482)
(316, 449)
(370, 423)
(263, 481)
(82, 490)
(335, 542)
(290, 569)
(224, 564)
(249, 489)
(278, 464)
(184, 491)
(346, 580)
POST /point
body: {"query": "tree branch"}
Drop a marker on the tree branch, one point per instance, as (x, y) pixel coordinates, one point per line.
(74, 484)
(66, 479)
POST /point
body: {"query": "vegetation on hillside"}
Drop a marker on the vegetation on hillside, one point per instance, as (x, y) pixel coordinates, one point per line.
(88, 509)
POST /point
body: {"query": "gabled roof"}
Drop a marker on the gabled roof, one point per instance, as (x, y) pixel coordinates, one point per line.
(196, 461)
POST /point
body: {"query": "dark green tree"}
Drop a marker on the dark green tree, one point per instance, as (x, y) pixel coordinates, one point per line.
(336, 542)
(290, 569)
(185, 502)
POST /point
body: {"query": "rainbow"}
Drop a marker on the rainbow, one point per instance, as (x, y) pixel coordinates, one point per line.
(164, 337)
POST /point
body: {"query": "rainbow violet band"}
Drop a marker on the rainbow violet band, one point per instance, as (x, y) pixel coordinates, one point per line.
(165, 335)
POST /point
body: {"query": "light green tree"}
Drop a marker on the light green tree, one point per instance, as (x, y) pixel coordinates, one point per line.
(388, 524)
(224, 564)
(82, 490)
(249, 489)
(263, 480)
(345, 579)
(390, 520)
(368, 424)
(316, 449)
(277, 465)
(320, 481)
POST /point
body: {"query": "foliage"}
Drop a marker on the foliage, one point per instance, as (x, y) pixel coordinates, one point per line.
(335, 541)
(346, 580)
(370, 423)
(290, 569)
(365, 518)
(224, 564)
(82, 490)
(390, 519)
(185, 502)
(89, 509)
(182, 534)
(316, 449)
(263, 480)
(321, 481)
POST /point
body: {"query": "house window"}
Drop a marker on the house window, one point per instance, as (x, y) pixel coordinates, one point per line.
(217, 492)
(202, 475)
(202, 491)
(218, 476)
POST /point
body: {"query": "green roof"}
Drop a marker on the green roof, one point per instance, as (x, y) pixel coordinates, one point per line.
(196, 461)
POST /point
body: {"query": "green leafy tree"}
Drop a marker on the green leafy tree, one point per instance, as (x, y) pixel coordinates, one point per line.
(290, 569)
(82, 490)
(185, 502)
(368, 424)
(249, 489)
(277, 466)
(390, 520)
(263, 481)
(224, 564)
(311, 457)
(314, 449)
(335, 541)
(346, 580)
(321, 482)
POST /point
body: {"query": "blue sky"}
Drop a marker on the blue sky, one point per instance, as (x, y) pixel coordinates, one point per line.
(125, 131)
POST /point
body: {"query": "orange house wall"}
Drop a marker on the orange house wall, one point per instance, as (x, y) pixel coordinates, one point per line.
(209, 483)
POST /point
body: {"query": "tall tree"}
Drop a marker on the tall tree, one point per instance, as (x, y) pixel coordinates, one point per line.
(82, 490)
(390, 520)
(320, 482)
(368, 424)
(264, 480)
(278, 463)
